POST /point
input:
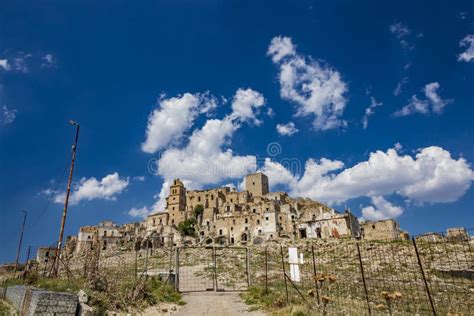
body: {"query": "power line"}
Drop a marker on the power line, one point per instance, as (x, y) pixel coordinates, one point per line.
(48, 202)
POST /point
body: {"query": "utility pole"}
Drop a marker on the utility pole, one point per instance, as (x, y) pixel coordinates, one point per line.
(20, 241)
(66, 201)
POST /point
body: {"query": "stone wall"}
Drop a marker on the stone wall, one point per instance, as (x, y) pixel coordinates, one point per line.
(15, 294)
(31, 301)
(52, 303)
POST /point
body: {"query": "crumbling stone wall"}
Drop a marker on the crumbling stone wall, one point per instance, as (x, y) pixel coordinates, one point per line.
(15, 294)
(31, 301)
(52, 303)
(382, 230)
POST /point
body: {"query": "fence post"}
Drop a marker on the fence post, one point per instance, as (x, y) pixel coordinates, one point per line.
(136, 263)
(247, 254)
(424, 277)
(215, 267)
(314, 274)
(266, 270)
(363, 278)
(146, 261)
(284, 274)
(176, 275)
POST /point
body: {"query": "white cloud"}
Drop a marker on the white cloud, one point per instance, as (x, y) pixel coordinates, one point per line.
(416, 105)
(244, 104)
(468, 42)
(431, 93)
(381, 209)
(20, 63)
(369, 111)
(316, 88)
(207, 158)
(173, 118)
(400, 30)
(7, 116)
(431, 176)
(286, 129)
(91, 189)
(48, 61)
(142, 212)
(270, 112)
(4, 64)
(400, 84)
(139, 178)
(281, 47)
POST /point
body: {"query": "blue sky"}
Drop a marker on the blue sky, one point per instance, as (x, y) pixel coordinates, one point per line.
(369, 103)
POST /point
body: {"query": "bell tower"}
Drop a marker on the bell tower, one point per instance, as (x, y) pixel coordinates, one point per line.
(256, 184)
(176, 202)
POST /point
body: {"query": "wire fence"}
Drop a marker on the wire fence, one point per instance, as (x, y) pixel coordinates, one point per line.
(418, 276)
(429, 274)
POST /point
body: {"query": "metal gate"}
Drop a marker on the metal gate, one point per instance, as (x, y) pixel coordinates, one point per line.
(212, 269)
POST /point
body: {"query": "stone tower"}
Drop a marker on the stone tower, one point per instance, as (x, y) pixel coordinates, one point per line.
(176, 202)
(256, 184)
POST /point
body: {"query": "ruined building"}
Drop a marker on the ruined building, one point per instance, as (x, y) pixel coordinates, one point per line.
(254, 215)
(225, 216)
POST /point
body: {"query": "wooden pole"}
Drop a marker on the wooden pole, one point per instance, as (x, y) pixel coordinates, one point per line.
(20, 241)
(66, 201)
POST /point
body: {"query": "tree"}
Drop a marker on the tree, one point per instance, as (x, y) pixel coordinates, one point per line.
(186, 227)
(198, 210)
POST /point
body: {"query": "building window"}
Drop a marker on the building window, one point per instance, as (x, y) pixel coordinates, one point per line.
(212, 197)
(246, 220)
(259, 231)
(246, 228)
(266, 218)
(254, 210)
(220, 231)
(258, 221)
(233, 221)
(232, 229)
(231, 200)
(161, 221)
(253, 183)
(199, 199)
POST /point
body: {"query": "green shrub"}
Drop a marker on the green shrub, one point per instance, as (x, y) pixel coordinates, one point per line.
(163, 292)
(186, 227)
(4, 309)
(198, 210)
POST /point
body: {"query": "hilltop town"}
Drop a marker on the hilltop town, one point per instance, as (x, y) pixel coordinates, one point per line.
(224, 216)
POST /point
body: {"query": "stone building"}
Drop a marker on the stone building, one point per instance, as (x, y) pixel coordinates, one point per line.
(330, 225)
(430, 237)
(387, 229)
(45, 254)
(457, 234)
(253, 216)
(106, 235)
(225, 216)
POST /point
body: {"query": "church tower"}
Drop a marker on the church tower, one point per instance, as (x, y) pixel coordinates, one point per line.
(176, 202)
(256, 184)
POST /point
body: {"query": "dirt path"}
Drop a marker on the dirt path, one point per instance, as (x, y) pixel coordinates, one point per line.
(212, 303)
